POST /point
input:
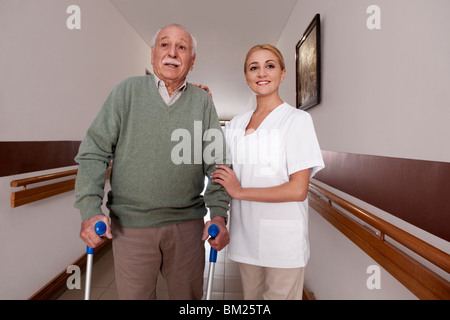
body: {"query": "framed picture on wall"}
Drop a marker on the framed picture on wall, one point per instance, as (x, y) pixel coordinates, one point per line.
(307, 56)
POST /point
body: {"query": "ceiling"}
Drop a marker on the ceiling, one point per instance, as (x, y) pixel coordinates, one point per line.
(225, 30)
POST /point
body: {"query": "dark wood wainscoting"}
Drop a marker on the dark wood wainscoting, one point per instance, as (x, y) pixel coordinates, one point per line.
(416, 191)
(30, 156)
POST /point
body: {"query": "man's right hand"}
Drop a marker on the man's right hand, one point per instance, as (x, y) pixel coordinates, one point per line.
(88, 234)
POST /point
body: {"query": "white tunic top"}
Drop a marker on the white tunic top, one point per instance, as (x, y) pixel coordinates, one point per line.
(271, 234)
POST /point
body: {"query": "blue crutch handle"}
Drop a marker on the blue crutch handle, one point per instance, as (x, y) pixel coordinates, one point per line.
(213, 231)
(100, 229)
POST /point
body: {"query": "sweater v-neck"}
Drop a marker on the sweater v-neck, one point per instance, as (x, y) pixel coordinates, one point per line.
(154, 92)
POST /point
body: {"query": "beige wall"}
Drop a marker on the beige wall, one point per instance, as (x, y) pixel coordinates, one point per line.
(57, 75)
(385, 92)
(53, 82)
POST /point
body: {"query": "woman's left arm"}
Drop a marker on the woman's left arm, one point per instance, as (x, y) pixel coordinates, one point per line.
(296, 189)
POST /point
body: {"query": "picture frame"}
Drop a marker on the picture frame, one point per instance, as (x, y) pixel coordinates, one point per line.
(308, 66)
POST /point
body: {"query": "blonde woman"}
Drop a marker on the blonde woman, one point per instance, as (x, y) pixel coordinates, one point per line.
(274, 152)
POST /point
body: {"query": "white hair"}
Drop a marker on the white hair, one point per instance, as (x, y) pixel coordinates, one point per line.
(194, 40)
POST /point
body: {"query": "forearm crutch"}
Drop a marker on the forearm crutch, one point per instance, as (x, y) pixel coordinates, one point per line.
(213, 231)
(100, 229)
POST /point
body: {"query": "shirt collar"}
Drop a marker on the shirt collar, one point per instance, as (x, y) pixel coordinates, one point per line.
(160, 83)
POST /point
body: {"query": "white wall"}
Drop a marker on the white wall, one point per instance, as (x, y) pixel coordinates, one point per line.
(385, 92)
(53, 82)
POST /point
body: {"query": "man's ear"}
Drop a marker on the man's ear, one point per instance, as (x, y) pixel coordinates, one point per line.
(193, 61)
(151, 57)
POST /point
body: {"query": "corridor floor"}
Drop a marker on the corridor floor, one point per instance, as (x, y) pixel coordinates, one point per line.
(226, 286)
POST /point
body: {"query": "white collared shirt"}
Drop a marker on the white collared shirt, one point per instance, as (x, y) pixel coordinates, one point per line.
(169, 100)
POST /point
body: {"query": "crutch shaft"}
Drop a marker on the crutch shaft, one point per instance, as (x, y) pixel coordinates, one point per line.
(87, 292)
(100, 228)
(210, 280)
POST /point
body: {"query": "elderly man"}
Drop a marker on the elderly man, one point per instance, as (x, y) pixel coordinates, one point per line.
(156, 207)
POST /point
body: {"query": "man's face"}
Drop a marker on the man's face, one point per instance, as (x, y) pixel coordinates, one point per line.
(172, 57)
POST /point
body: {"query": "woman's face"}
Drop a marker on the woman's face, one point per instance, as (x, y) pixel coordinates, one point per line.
(264, 73)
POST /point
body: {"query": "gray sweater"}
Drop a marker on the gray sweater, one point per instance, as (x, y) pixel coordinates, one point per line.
(147, 140)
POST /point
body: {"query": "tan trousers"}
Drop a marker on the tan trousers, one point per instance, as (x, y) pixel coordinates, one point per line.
(176, 250)
(263, 283)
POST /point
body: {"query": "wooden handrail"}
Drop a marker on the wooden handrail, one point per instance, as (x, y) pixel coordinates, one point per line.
(420, 280)
(52, 176)
(25, 196)
(422, 248)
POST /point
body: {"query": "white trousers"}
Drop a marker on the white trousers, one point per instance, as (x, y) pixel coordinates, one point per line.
(263, 283)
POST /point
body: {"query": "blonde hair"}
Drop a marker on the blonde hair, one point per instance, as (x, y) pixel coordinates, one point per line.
(269, 47)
